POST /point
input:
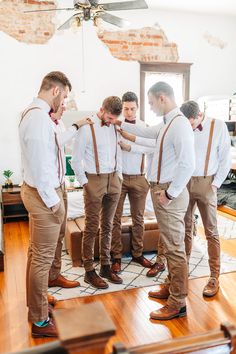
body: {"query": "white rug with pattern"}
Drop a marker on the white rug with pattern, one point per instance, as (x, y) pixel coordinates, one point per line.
(134, 275)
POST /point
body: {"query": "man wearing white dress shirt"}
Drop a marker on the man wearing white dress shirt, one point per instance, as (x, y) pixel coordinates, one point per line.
(212, 151)
(64, 136)
(97, 162)
(136, 187)
(42, 195)
(172, 167)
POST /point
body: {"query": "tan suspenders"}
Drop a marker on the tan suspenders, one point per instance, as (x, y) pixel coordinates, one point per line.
(209, 147)
(59, 154)
(142, 164)
(96, 150)
(161, 148)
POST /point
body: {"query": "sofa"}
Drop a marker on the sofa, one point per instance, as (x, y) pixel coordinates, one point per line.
(74, 235)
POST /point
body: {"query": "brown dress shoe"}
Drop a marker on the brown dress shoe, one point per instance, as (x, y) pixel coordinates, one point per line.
(163, 293)
(107, 273)
(167, 313)
(52, 300)
(142, 261)
(116, 265)
(48, 331)
(93, 279)
(155, 269)
(62, 282)
(211, 288)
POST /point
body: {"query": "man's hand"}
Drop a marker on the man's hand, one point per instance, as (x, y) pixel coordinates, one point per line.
(127, 136)
(84, 121)
(54, 208)
(124, 147)
(162, 198)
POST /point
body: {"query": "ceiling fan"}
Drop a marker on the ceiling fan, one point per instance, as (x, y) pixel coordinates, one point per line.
(91, 10)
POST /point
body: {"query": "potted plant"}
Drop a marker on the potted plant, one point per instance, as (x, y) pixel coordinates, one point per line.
(7, 174)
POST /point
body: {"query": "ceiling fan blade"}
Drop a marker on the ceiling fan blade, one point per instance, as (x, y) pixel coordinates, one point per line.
(125, 5)
(66, 25)
(81, 2)
(94, 2)
(47, 10)
(114, 20)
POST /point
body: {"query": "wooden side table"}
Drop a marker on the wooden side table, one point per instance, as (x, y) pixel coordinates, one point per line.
(12, 205)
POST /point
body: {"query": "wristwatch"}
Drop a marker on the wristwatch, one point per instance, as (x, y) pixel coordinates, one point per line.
(75, 125)
(168, 196)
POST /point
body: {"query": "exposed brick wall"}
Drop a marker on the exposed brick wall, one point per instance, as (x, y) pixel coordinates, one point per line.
(29, 28)
(147, 44)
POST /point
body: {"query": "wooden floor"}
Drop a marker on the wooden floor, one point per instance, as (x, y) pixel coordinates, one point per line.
(128, 309)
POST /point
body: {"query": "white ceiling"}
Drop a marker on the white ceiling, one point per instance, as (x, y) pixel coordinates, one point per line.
(224, 7)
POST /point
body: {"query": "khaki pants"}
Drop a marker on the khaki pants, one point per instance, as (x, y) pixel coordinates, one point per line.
(172, 231)
(136, 186)
(45, 227)
(101, 196)
(204, 197)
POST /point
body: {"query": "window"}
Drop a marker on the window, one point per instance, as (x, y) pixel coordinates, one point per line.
(175, 74)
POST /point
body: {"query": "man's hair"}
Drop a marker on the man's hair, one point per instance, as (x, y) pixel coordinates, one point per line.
(113, 105)
(130, 97)
(162, 88)
(190, 109)
(55, 78)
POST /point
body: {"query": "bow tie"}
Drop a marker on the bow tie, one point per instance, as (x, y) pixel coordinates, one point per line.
(199, 127)
(104, 124)
(130, 121)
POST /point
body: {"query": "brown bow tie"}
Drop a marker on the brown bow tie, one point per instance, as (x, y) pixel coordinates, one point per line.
(130, 121)
(199, 127)
(104, 124)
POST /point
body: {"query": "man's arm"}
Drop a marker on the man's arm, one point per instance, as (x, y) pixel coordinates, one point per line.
(78, 154)
(224, 157)
(39, 134)
(146, 132)
(68, 134)
(185, 155)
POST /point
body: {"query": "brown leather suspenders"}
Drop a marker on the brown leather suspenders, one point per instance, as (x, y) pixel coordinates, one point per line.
(209, 147)
(161, 148)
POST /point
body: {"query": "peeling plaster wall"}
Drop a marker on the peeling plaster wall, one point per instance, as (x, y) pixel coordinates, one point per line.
(28, 28)
(22, 67)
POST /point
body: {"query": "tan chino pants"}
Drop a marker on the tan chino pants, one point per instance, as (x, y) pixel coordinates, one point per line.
(136, 187)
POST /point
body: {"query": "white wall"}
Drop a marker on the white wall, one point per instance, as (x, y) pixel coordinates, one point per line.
(22, 67)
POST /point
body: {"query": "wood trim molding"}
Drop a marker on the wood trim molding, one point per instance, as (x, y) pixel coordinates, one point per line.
(179, 68)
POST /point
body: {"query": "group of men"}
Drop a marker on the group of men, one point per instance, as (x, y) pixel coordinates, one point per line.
(187, 160)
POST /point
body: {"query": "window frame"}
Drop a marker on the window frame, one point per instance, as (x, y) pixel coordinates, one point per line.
(162, 67)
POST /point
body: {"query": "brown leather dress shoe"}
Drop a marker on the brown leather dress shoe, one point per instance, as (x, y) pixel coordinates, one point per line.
(163, 293)
(94, 280)
(155, 269)
(211, 288)
(47, 331)
(116, 265)
(167, 313)
(62, 282)
(52, 300)
(107, 273)
(142, 261)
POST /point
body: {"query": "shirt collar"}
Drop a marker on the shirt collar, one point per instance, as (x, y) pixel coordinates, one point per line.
(38, 102)
(172, 114)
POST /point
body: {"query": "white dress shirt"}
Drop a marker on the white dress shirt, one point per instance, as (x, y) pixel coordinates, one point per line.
(220, 157)
(83, 159)
(147, 147)
(178, 158)
(39, 152)
(131, 161)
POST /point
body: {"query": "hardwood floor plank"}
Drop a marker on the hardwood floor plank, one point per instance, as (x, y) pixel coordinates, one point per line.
(129, 309)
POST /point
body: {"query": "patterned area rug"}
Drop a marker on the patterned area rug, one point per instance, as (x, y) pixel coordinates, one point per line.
(134, 275)
(226, 226)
